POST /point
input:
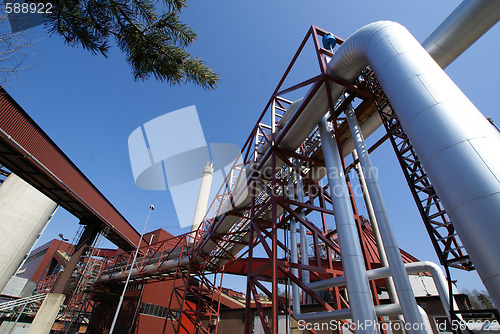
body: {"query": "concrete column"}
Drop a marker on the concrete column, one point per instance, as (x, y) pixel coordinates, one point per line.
(44, 319)
(24, 211)
(203, 196)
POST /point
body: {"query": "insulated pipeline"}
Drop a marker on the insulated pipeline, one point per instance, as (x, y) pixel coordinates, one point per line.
(455, 143)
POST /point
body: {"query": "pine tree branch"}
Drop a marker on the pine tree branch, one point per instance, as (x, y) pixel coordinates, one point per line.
(153, 42)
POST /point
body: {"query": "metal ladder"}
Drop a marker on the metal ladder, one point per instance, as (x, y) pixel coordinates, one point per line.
(76, 308)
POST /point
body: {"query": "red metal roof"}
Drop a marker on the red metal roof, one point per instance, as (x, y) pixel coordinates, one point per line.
(30, 153)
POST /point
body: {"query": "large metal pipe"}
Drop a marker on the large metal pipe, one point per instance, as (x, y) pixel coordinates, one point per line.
(403, 288)
(358, 289)
(453, 140)
(465, 25)
(462, 28)
(391, 289)
(380, 311)
(374, 224)
(164, 267)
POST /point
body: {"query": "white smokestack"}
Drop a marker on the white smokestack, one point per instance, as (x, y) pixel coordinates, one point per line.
(203, 195)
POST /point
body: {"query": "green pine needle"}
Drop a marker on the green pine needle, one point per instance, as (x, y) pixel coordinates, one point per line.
(153, 40)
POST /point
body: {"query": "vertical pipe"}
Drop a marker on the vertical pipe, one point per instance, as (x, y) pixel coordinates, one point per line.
(369, 208)
(358, 289)
(304, 258)
(401, 281)
(293, 247)
(376, 232)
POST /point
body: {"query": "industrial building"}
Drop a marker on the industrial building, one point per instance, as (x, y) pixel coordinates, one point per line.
(268, 223)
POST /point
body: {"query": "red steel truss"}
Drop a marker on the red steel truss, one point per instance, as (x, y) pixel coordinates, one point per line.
(257, 242)
(263, 227)
(195, 293)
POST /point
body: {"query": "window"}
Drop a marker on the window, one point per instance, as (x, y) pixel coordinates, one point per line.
(132, 287)
(153, 310)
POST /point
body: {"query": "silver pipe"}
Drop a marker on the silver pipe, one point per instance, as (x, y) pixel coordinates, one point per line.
(122, 296)
(293, 247)
(380, 310)
(369, 209)
(318, 106)
(169, 264)
(373, 221)
(471, 19)
(391, 289)
(304, 258)
(439, 279)
(462, 28)
(411, 268)
(358, 289)
(398, 272)
(457, 152)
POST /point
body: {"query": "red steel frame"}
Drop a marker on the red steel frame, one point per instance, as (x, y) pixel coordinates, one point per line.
(193, 298)
(260, 224)
(263, 227)
(264, 232)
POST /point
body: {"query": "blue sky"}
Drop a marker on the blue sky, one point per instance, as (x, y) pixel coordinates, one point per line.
(89, 105)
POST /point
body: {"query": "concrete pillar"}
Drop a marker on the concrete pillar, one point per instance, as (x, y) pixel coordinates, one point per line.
(203, 196)
(44, 319)
(24, 211)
